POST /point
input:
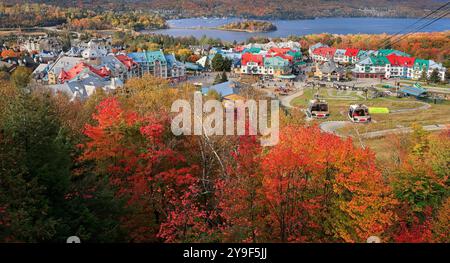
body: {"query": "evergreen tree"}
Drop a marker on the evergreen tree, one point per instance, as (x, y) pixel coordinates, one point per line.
(40, 199)
(434, 77)
(217, 63)
(424, 76)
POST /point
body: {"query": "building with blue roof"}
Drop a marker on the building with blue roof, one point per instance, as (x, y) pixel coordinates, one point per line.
(415, 91)
(223, 89)
(176, 69)
(151, 62)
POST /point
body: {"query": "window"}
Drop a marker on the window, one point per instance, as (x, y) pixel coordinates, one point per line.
(319, 107)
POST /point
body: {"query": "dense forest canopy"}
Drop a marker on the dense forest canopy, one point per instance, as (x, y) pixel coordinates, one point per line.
(75, 18)
(250, 26)
(260, 8)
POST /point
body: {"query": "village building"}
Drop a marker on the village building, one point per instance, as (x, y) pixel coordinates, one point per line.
(339, 56)
(329, 71)
(84, 85)
(62, 63)
(252, 64)
(36, 45)
(94, 50)
(351, 55)
(396, 66)
(151, 62)
(159, 65)
(314, 47)
(323, 54)
(401, 67)
(176, 69)
(276, 66)
(120, 66)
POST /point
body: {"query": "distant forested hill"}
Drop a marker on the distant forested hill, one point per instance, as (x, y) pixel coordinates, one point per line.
(259, 8)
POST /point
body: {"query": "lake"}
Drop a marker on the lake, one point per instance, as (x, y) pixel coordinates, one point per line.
(198, 27)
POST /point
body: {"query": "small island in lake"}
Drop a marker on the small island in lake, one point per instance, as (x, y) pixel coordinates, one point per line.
(250, 26)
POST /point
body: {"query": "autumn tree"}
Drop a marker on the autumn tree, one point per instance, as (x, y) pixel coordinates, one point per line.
(21, 77)
(40, 199)
(241, 201)
(321, 188)
(131, 151)
(420, 184)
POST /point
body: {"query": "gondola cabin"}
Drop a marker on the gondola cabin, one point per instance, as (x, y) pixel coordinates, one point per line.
(359, 113)
(317, 109)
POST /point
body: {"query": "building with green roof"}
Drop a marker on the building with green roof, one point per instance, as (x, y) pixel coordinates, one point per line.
(276, 65)
(297, 55)
(379, 60)
(387, 52)
(253, 50)
(421, 64)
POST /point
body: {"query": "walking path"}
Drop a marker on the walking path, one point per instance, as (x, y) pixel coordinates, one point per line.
(333, 126)
(382, 133)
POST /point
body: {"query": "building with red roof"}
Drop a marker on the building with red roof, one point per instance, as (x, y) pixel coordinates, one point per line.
(252, 59)
(401, 66)
(126, 61)
(103, 72)
(400, 61)
(323, 53)
(277, 50)
(252, 64)
(351, 55)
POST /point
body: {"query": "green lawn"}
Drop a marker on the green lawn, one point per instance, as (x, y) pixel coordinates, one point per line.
(436, 114)
(341, 100)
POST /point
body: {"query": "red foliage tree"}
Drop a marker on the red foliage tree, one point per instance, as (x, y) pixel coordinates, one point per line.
(239, 194)
(133, 152)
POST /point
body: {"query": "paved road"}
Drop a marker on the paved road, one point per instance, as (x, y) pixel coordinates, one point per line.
(333, 126)
(286, 100)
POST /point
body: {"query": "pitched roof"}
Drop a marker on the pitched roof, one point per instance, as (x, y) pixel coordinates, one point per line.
(434, 65)
(401, 61)
(325, 51)
(139, 57)
(317, 45)
(224, 89)
(127, 61)
(73, 72)
(276, 61)
(330, 67)
(279, 50)
(9, 53)
(351, 52)
(414, 91)
(64, 63)
(148, 56)
(252, 50)
(386, 52)
(294, 53)
(421, 63)
(249, 57)
(379, 60)
(155, 55)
